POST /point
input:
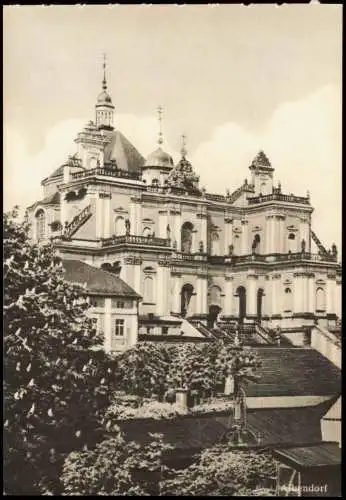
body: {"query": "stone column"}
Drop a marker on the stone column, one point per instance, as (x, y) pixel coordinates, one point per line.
(99, 216)
(228, 234)
(108, 325)
(107, 214)
(310, 295)
(163, 222)
(251, 296)
(298, 292)
(176, 229)
(245, 238)
(267, 234)
(304, 233)
(331, 295)
(137, 277)
(273, 246)
(202, 235)
(228, 295)
(275, 297)
(162, 290)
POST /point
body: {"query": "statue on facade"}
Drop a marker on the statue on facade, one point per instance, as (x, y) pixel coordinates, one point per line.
(175, 245)
(127, 227)
(168, 232)
(201, 247)
(254, 246)
(230, 250)
(303, 244)
(334, 250)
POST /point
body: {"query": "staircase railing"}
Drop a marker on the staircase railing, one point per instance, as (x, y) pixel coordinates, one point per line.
(326, 344)
(264, 333)
(318, 243)
(77, 221)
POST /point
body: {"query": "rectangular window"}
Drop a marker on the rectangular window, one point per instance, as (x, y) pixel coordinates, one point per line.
(121, 304)
(97, 302)
(164, 330)
(119, 328)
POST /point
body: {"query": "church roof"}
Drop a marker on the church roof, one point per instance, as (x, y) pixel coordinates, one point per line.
(53, 199)
(159, 158)
(261, 161)
(123, 152)
(98, 281)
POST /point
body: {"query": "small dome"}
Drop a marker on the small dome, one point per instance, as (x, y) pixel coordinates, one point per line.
(104, 97)
(159, 159)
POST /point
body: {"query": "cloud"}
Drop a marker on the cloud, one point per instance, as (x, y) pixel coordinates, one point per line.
(302, 139)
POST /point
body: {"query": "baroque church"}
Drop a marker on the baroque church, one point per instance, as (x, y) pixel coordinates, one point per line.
(248, 258)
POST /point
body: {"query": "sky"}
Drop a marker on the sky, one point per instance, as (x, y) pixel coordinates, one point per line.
(235, 79)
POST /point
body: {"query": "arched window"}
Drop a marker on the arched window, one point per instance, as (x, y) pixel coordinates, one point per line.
(256, 243)
(320, 300)
(292, 243)
(155, 182)
(148, 289)
(186, 237)
(40, 225)
(215, 242)
(146, 232)
(119, 226)
(288, 300)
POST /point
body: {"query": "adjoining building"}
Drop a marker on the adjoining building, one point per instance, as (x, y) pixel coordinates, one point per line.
(113, 303)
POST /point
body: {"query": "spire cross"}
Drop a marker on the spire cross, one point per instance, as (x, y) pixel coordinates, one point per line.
(159, 114)
(183, 150)
(104, 82)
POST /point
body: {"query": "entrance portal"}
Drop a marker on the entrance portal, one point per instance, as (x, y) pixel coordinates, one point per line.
(241, 291)
(214, 311)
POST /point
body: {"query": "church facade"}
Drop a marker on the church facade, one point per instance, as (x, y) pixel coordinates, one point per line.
(249, 255)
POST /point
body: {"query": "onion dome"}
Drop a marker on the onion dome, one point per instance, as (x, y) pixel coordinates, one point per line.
(159, 159)
(104, 98)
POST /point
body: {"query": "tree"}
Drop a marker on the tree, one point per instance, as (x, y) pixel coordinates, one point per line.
(223, 471)
(57, 380)
(116, 467)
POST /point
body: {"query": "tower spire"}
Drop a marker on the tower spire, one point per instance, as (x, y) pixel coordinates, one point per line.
(159, 115)
(183, 150)
(104, 81)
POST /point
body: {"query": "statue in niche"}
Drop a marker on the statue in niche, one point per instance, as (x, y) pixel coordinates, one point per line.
(230, 250)
(127, 227)
(201, 247)
(254, 246)
(303, 245)
(334, 250)
(168, 231)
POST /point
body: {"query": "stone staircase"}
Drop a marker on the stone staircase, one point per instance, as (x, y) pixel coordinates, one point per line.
(318, 243)
(294, 371)
(77, 221)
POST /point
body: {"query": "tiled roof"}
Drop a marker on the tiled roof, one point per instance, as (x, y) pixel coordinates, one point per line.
(53, 199)
(284, 426)
(295, 372)
(97, 281)
(123, 152)
(318, 455)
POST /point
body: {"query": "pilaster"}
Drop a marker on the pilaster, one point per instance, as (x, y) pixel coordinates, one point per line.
(228, 295)
(108, 324)
(245, 237)
(252, 296)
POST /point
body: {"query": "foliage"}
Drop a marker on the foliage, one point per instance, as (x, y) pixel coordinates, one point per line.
(151, 368)
(222, 471)
(116, 467)
(56, 378)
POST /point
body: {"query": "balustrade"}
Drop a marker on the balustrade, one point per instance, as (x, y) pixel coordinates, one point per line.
(275, 196)
(135, 240)
(108, 172)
